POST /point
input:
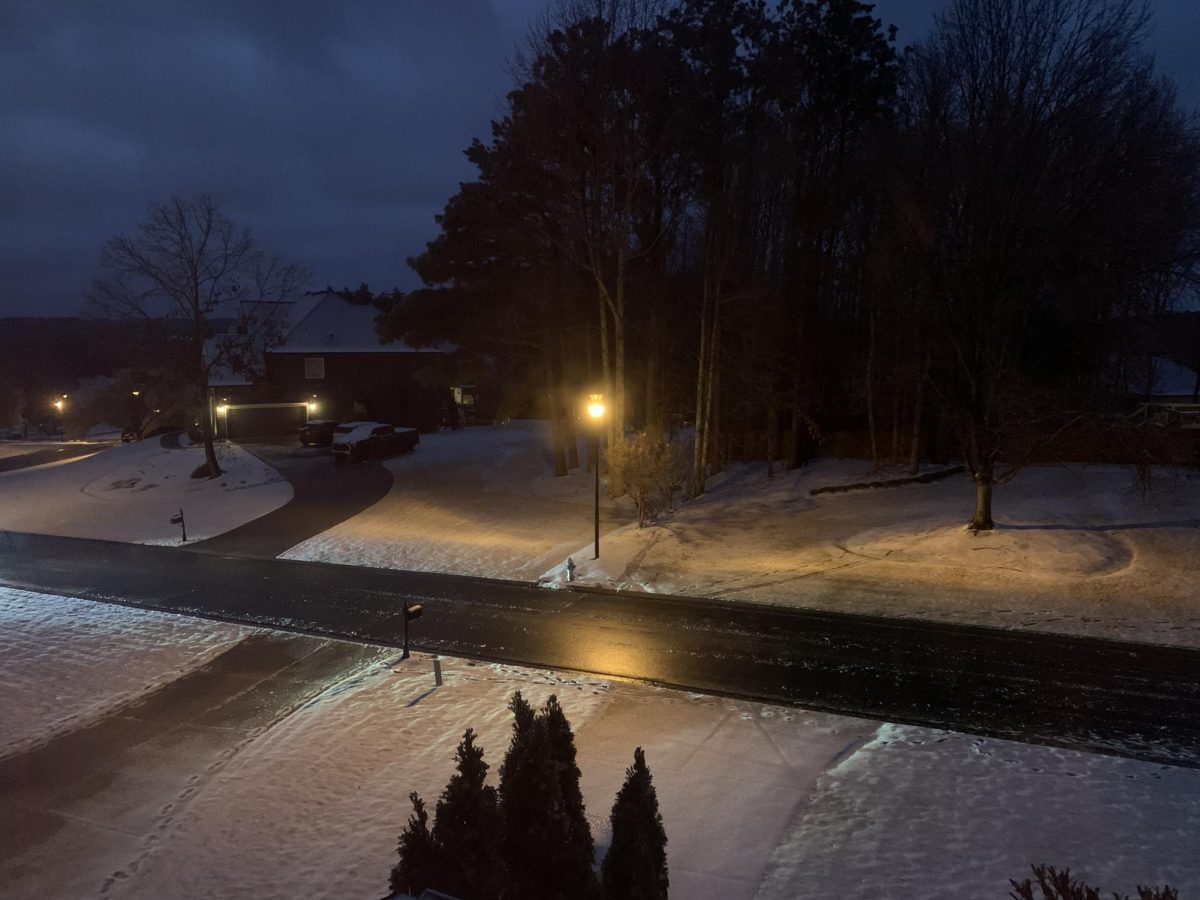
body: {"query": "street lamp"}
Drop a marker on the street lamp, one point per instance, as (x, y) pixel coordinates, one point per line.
(59, 404)
(595, 409)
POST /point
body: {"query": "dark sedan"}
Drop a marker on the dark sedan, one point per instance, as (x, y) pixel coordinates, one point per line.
(360, 440)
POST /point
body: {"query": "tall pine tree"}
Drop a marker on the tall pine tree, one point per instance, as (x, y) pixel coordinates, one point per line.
(419, 856)
(547, 844)
(467, 829)
(635, 867)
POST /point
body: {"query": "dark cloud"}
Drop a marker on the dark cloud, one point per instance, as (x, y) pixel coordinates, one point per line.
(334, 131)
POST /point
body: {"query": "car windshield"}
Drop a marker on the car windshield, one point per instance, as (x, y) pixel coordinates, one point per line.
(343, 429)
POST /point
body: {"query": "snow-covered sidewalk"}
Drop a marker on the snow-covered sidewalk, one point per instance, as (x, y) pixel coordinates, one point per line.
(67, 662)
(130, 492)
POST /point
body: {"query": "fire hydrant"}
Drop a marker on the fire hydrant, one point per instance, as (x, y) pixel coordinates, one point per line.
(570, 569)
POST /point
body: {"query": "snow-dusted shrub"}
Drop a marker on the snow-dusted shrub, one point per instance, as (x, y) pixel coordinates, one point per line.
(651, 470)
(1055, 885)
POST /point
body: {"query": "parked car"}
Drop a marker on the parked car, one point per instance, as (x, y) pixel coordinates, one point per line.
(317, 433)
(362, 440)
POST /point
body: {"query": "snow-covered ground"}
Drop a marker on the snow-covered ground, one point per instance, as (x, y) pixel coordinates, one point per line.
(130, 492)
(479, 501)
(1078, 549)
(66, 662)
(758, 801)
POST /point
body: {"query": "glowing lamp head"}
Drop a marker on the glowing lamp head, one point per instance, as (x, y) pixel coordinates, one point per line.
(595, 406)
(313, 406)
(58, 404)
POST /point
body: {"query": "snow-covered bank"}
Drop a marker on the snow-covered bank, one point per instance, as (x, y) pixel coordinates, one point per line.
(65, 662)
(130, 492)
(758, 801)
(925, 813)
(1078, 549)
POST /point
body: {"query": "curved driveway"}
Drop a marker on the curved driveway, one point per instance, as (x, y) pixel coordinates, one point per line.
(324, 494)
(39, 455)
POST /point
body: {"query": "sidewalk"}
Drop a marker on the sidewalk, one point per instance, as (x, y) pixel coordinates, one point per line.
(94, 801)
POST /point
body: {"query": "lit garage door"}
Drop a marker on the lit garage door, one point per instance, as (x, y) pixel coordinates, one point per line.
(251, 420)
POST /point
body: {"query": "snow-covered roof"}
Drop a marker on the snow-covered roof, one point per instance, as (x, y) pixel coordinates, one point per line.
(1160, 377)
(330, 324)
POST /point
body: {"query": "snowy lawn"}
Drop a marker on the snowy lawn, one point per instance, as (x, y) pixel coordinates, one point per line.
(479, 501)
(66, 662)
(129, 493)
(1078, 549)
(758, 801)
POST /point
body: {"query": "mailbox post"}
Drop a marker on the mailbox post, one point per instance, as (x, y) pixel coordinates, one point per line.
(411, 611)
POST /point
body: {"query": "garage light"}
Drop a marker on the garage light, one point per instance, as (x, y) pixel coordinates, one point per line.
(222, 409)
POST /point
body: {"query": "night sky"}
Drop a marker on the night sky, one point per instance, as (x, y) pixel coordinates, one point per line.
(334, 131)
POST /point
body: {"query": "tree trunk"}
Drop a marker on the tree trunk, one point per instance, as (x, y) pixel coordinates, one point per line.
(984, 485)
(772, 441)
(871, 424)
(556, 424)
(914, 447)
(569, 436)
(206, 413)
(701, 382)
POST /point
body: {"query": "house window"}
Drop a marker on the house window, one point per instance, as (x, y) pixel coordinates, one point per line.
(314, 367)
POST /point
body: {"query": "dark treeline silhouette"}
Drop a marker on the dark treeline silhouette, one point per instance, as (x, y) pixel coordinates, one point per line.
(762, 220)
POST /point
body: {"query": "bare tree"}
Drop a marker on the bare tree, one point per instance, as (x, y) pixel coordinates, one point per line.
(191, 263)
(1043, 136)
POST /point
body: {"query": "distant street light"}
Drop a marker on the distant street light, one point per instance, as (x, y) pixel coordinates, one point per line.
(596, 410)
(59, 404)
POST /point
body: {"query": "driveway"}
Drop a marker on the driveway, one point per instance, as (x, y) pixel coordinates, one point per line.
(324, 494)
(25, 455)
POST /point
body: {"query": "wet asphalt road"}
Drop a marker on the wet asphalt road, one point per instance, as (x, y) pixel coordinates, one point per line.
(1134, 700)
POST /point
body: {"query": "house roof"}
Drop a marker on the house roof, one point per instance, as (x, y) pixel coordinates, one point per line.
(1160, 377)
(331, 324)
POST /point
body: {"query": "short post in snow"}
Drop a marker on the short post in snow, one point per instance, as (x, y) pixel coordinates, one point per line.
(411, 612)
(437, 671)
(178, 520)
(570, 569)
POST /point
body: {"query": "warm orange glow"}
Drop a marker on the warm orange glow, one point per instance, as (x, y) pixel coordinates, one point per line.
(595, 406)
(221, 410)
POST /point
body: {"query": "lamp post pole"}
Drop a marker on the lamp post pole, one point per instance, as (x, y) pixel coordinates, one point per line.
(596, 466)
(596, 410)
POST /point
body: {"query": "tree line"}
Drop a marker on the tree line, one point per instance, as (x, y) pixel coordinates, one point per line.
(764, 221)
